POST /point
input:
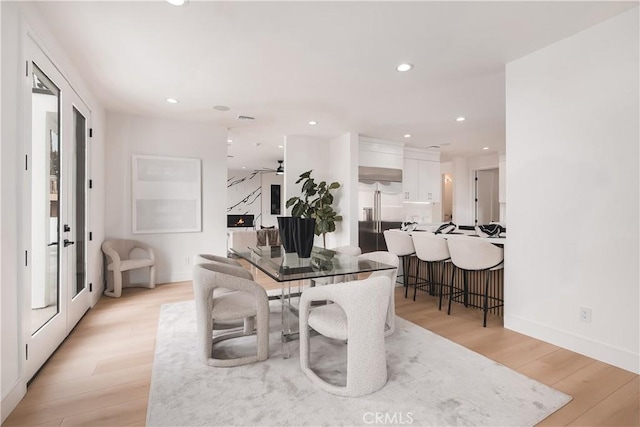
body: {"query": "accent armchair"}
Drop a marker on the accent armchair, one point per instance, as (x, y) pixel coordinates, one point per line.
(119, 264)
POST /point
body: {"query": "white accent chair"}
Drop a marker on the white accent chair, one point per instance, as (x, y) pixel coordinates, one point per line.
(432, 249)
(248, 302)
(347, 250)
(363, 308)
(400, 243)
(469, 254)
(389, 259)
(119, 263)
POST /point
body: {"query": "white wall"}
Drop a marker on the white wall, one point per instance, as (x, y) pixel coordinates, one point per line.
(572, 140)
(128, 135)
(344, 152)
(17, 19)
(330, 161)
(463, 171)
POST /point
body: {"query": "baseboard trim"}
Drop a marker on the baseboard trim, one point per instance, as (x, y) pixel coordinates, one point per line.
(182, 276)
(603, 352)
(11, 400)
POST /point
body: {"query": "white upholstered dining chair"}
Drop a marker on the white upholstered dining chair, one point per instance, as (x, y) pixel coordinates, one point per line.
(247, 300)
(357, 316)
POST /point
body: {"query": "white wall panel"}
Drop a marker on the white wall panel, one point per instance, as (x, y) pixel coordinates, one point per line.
(573, 192)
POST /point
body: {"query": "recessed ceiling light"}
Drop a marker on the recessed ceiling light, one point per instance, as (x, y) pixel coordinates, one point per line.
(280, 146)
(177, 2)
(243, 167)
(172, 100)
(221, 108)
(485, 148)
(460, 119)
(313, 122)
(228, 140)
(407, 135)
(404, 67)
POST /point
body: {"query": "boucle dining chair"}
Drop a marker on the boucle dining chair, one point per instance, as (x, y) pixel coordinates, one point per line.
(360, 321)
(346, 250)
(469, 254)
(389, 259)
(119, 253)
(249, 302)
(210, 258)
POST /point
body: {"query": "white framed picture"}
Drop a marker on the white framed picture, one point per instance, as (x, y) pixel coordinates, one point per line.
(166, 194)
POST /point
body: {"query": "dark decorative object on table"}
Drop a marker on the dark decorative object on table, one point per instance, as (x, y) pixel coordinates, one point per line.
(303, 231)
(491, 230)
(446, 228)
(286, 226)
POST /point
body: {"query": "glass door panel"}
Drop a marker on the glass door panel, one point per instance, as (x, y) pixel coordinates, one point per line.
(78, 253)
(45, 200)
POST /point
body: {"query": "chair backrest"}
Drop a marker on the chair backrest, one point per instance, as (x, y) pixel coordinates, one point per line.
(384, 258)
(399, 242)
(206, 258)
(122, 247)
(471, 253)
(218, 273)
(237, 270)
(348, 250)
(430, 247)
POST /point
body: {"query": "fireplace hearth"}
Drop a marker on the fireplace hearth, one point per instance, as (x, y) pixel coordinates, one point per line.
(240, 221)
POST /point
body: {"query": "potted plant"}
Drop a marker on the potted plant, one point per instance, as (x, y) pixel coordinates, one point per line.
(316, 202)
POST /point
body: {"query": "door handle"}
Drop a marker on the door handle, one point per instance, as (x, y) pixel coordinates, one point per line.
(68, 242)
(52, 244)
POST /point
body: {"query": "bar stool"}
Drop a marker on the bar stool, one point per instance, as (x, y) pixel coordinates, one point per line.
(475, 254)
(432, 249)
(400, 244)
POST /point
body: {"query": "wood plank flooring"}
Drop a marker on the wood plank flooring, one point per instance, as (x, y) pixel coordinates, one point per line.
(100, 376)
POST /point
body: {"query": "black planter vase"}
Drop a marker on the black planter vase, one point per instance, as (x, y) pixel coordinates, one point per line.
(304, 229)
(285, 226)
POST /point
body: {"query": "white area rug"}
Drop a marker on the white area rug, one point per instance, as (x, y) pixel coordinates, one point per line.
(432, 382)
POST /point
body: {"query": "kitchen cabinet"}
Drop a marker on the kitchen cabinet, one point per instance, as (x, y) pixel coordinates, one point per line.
(421, 181)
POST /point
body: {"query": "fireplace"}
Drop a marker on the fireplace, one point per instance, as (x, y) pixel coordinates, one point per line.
(239, 220)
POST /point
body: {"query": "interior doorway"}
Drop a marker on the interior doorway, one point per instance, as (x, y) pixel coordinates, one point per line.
(447, 197)
(486, 198)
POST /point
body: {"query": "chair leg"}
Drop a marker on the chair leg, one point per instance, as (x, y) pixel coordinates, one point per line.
(486, 297)
(415, 283)
(465, 290)
(152, 277)
(453, 275)
(405, 274)
(441, 284)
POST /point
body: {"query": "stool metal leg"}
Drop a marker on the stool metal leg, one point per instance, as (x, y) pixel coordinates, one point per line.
(486, 297)
(453, 275)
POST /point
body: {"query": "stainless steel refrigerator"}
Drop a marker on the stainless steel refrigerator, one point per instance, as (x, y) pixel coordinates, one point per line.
(380, 205)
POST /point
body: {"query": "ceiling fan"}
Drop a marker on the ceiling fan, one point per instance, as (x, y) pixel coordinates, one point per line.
(278, 171)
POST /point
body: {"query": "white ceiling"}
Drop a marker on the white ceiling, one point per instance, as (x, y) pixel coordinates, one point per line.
(286, 63)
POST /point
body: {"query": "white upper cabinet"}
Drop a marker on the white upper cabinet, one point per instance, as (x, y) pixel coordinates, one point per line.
(410, 178)
(421, 179)
(380, 154)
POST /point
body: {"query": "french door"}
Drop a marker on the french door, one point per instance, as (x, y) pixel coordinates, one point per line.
(55, 207)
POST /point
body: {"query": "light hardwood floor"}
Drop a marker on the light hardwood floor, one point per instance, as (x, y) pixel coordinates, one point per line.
(100, 375)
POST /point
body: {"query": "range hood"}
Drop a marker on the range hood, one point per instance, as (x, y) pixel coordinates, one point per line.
(374, 174)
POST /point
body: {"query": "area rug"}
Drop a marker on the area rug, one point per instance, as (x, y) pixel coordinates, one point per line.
(432, 382)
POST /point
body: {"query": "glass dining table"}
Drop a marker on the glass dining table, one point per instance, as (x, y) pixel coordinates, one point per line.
(288, 269)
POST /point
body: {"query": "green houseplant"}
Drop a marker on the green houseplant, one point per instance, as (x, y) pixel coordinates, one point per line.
(316, 201)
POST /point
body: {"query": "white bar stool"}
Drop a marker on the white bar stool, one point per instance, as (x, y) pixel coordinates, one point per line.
(400, 244)
(432, 249)
(475, 254)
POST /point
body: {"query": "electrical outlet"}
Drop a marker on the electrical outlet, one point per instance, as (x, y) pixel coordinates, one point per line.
(585, 314)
